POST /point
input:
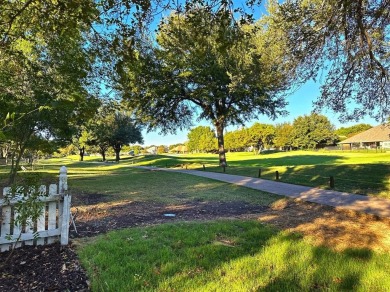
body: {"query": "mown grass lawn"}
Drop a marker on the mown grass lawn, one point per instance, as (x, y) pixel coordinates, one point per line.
(356, 172)
(226, 256)
(230, 255)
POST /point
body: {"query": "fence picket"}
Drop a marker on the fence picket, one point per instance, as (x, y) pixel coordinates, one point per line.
(42, 218)
(29, 228)
(6, 221)
(65, 220)
(52, 213)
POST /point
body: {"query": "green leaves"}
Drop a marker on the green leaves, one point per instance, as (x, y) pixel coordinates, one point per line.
(9, 118)
(312, 130)
(201, 139)
(348, 41)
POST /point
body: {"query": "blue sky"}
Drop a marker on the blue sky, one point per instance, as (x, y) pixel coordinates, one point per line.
(300, 103)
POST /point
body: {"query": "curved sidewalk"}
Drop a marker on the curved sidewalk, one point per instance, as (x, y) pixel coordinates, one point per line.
(359, 203)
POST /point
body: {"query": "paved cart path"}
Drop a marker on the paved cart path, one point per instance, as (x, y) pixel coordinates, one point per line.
(360, 203)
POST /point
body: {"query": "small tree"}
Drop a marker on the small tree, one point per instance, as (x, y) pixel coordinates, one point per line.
(261, 135)
(80, 141)
(312, 130)
(284, 135)
(161, 149)
(237, 140)
(123, 130)
(201, 139)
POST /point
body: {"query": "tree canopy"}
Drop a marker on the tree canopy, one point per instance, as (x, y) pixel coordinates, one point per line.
(113, 127)
(310, 131)
(349, 42)
(43, 88)
(261, 135)
(201, 139)
(284, 135)
(205, 66)
(346, 132)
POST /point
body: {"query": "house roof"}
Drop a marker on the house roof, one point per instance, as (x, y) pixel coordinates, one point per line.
(376, 134)
(180, 148)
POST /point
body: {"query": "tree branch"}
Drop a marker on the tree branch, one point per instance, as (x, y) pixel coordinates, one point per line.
(13, 17)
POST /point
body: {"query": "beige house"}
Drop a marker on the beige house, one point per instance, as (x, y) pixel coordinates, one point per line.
(376, 137)
(180, 149)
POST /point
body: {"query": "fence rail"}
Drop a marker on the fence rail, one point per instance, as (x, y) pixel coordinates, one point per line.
(51, 225)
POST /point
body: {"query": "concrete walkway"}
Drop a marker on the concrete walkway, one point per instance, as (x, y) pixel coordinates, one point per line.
(365, 204)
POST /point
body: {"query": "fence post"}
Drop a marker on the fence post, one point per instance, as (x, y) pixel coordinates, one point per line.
(277, 175)
(63, 191)
(259, 172)
(331, 182)
(63, 181)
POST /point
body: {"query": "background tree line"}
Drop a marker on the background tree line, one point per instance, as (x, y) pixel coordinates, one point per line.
(305, 132)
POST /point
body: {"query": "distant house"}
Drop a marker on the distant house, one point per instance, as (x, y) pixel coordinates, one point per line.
(376, 137)
(179, 149)
(152, 150)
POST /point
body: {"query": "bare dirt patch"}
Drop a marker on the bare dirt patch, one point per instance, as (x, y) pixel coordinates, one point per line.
(322, 225)
(96, 219)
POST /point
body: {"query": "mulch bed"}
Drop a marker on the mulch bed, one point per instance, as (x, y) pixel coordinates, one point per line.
(43, 268)
(56, 268)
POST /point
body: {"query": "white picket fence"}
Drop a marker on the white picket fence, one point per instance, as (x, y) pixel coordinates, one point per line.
(53, 223)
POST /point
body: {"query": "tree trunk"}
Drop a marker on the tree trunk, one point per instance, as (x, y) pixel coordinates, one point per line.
(15, 164)
(82, 152)
(103, 153)
(5, 152)
(117, 149)
(221, 145)
(103, 150)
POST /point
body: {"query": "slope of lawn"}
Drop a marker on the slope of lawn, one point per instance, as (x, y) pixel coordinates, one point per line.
(230, 255)
(116, 182)
(356, 172)
(226, 256)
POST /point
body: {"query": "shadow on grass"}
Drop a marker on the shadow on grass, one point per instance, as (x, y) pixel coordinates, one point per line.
(367, 179)
(312, 268)
(340, 230)
(264, 161)
(225, 256)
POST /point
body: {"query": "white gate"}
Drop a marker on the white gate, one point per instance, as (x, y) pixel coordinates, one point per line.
(52, 224)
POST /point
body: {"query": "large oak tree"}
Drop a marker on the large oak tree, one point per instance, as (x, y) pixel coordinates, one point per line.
(204, 65)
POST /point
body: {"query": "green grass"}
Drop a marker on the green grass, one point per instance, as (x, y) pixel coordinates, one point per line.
(220, 255)
(226, 256)
(116, 182)
(355, 172)
(143, 185)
